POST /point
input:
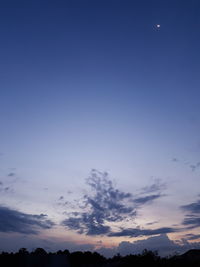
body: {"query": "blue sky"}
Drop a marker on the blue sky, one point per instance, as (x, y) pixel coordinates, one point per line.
(96, 85)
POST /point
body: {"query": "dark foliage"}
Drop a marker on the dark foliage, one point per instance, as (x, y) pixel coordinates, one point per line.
(40, 258)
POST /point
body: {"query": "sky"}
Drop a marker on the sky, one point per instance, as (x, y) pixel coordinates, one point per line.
(99, 139)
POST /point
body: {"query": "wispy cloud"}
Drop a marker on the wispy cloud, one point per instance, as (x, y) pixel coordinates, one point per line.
(192, 218)
(106, 204)
(136, 232)
(146, 199)
(4, 188)
(192, 166)
(11, 174)
(151, 223)
(157, 187)
(192, 222)
(195, 166)
(192, 207)
(191, 236)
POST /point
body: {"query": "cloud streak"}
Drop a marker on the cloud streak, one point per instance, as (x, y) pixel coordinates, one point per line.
(193, 208)
(191, 236)
(11, 174)
(157, 187)
(192, 218)
(147, 199)
(18, 222)
(136, 232)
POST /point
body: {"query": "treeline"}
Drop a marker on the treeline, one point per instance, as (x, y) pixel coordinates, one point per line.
(40, 258)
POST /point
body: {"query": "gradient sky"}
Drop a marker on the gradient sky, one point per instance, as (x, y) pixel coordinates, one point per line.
(99, 106)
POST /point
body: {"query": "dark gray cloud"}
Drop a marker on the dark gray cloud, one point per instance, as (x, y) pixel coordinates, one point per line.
(191, 236)
(193, 208)
(175, 160)
(105, 204)
(157, 187)
(11, 174)
(192, 166)
(192, 222)
(8, 183)
(5, 189)
(195, 166)
(98, 229)
(160, 243)
(151, 223)
(18, 222)
(135, 232)
(145, 199)
(192, 218)
(74, 223)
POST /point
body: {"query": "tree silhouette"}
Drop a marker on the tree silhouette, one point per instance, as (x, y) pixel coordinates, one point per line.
(40, 258)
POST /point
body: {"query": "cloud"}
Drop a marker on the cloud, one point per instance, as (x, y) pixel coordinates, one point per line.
(136, 232)
(8, 185)
(105, 204)
(74, 223)
(192, 166)
(157, 186)
(11, 174)
(191, 236)
(150, 193)
(193, 207)
(192, 218)
(98, 229)
(18, 222)
(150, 198)
(5, 189)
(160, 243)
(151, 223)
(195, 166)
(193, 222)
